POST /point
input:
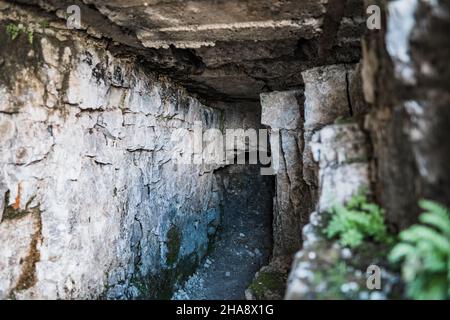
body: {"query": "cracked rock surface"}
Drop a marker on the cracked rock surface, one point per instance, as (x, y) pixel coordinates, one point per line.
(92, 204)
(224, 50)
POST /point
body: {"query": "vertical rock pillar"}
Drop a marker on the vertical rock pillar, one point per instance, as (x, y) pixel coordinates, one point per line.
(328, 97)
(293, 117)
(283, 113)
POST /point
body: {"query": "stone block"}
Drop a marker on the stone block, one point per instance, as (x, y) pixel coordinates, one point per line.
(282, 110)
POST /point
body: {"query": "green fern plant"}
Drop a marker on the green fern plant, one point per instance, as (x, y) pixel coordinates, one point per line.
(424, 253)
(359, 220)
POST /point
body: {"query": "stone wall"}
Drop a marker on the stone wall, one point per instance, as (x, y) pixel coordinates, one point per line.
(92, 204)
(341, 152)
(400, 154)
(317, 157)
(332, 93)
(406, 78)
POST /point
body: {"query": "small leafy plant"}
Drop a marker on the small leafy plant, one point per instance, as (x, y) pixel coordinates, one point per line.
(359, 220)
(14, 31)
(424, 252)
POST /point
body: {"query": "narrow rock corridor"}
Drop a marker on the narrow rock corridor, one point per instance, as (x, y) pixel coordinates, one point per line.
(244, 241)
(122, 124)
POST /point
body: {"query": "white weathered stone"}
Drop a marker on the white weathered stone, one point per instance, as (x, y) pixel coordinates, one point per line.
(92, 186)
(341, 151)
(326, 97)
(282, 110)
(283, 113)
(342, 156)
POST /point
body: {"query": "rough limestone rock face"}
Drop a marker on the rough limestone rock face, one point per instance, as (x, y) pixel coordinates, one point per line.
(327, 98)
(321, 269)
(324, 270)
(282, 112)
(92, 203)
(97, 195)
(406, 77)
(295, 119)
(342, 154)
(226, 50)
